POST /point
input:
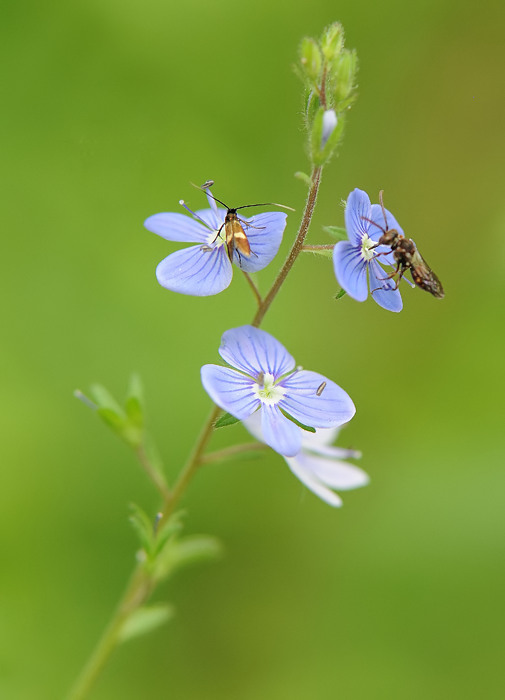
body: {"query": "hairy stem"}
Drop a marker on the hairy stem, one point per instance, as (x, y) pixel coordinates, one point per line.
(296, 248)
(139, 589)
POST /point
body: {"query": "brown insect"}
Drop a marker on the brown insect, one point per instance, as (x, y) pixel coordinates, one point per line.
(407, 257)
(234, 227)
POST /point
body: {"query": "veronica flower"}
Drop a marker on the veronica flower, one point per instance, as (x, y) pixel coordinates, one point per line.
(319, 464)
(264, 378)
(357, 257)
(205, 269)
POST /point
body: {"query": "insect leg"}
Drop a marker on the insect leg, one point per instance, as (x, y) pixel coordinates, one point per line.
(218, 234)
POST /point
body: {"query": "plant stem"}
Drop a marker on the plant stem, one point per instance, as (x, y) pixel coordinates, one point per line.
(190, 467)
(137, 591)
(296, 248)
(140, 587)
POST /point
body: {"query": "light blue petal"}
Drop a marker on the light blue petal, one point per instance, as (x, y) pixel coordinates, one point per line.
(300, 470)
(350, 270)
(197, 271)
(357, 207)
(279, 433)
(230, 390)
(215, 219)
(253, 351)
(177, 227)
(375, 232)
(332, 408)
(383, 291)
(264, 233)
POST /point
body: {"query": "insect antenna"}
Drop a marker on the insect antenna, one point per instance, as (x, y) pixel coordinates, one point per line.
(265, 204)
(206, 185)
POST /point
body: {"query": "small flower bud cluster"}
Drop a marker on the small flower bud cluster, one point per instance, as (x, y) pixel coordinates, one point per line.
(328, 71)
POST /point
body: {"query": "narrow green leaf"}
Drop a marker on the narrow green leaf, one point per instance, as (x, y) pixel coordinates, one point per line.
(304, 178)
(177, 554)
(146, 619)
(195, 548)
(143, 527)
(324, 252)
(226, 420)
(104, 399)
(308, 428)
(337, 232)
(114, 420)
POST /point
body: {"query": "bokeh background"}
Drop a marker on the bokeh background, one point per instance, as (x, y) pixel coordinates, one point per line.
(110, 110)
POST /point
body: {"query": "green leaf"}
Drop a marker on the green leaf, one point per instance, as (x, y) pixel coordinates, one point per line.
(195, 548)
(179, 553)
(114, 420)
(308, 428)
(325, 252)
(144, 528)
(337, 232)
(104, 399)
(134, 403)
(226, 420)
(166, 535)
(146, 619)
(340, 294)
(304, 178)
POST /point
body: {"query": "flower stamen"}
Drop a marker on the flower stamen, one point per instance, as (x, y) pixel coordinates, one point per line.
(267, 391)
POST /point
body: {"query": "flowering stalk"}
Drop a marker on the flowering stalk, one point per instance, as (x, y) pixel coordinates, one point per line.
(320, 68)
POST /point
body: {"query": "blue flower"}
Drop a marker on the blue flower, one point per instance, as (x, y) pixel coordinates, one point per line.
(265, 378)
(352, 259)
(205, 269)
(319, 464)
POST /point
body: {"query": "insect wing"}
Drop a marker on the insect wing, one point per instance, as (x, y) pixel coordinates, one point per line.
(236, 238)
(424, 277)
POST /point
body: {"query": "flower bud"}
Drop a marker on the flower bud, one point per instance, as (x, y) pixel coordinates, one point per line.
(310, 59)
(345, 75)
(329, 123)
(332, 41)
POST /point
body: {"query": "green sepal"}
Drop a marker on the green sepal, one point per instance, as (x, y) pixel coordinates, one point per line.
(340, 294)
(311, 61)
(325, 153)
(345, 72)
(308, 428)
(321, 155)
(225, 420)
(332, 41)
(337, 232)
(145, 619)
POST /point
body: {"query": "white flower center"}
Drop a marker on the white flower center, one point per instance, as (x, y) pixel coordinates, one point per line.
(214, 240)
(367, 248)
(267, 391)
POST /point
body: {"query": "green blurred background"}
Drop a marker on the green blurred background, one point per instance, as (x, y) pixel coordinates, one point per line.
(110, 110)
